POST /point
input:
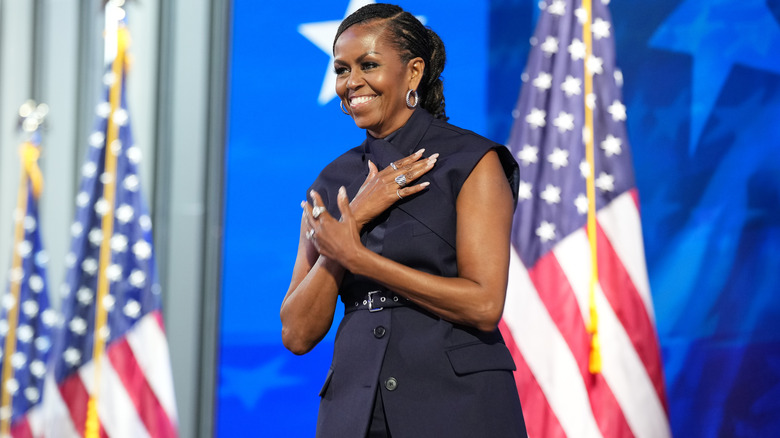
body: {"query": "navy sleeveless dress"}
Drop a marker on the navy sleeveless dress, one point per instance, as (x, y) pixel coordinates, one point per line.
(436, 378)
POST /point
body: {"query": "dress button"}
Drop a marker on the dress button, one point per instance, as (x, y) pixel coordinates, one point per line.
(391, 384)
(379, 332)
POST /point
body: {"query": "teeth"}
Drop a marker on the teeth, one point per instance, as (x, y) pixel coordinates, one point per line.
(360, 99)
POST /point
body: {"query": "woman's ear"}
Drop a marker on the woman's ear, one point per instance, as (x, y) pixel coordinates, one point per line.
(416, 70)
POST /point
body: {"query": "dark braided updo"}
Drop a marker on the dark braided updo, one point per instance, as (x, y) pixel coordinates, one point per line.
(412, 39)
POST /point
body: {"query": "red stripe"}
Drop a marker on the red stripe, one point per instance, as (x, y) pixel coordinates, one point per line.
(630, 311)
(145, 401)
(21, 429)
(540, 419)
(157, 315)
(559, 299)
(635, 196)
(75, 396)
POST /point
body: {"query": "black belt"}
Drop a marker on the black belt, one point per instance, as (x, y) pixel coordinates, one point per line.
(376, 300)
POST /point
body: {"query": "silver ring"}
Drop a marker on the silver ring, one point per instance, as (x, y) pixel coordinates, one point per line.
(310, 234)
(392, 164)
(398, 192)
(400, 180)
(317, 211)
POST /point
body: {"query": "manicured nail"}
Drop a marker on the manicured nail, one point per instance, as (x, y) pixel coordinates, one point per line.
(303, 204)
(432, 159)
(342, 191)
(311, 193)
(420, 152)
(425, 184)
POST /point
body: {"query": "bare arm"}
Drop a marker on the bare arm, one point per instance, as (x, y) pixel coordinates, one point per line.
(310, 303)
(476, 297)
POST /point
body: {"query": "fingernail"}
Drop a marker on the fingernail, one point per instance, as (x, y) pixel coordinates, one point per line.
(432, 159)
(425, 184)
(342, 191)
(303, 204)
(311, 193)
(420, 152)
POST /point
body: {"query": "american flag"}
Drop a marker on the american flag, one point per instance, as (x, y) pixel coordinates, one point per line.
(130, 377)
(548, 307)
(26, 320)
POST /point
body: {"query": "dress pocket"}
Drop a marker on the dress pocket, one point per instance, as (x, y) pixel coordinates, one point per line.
(327, 382)
(476, 357)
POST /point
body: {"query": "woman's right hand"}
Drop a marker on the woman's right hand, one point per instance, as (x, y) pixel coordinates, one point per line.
(380, 190)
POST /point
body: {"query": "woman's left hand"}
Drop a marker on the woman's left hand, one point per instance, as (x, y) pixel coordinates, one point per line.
(335, 239)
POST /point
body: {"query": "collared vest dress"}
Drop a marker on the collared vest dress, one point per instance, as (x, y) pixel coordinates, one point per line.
(438, 379)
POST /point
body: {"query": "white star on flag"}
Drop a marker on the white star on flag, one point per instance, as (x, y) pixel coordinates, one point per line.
(611, 145)
(558, 158)
(577, 50)
(600, 28)
(571, 86)
(536, 118)
(550, 46)
(543, 81)
(529, 154)
(524, 191)
(618, 111)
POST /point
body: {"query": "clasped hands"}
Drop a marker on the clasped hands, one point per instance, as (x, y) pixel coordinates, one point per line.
(340, 239)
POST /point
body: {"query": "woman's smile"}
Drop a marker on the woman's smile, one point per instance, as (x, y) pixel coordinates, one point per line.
(357, 102)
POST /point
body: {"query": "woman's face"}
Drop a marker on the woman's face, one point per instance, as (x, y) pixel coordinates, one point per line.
(372, 81)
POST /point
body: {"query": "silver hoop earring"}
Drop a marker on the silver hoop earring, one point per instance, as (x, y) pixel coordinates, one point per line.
(408, 99)
(341, 103)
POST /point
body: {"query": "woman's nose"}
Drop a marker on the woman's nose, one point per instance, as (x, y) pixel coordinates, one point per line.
(355, 79)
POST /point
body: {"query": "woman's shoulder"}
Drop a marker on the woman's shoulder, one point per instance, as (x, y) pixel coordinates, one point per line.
(461, 144)
(459, 138)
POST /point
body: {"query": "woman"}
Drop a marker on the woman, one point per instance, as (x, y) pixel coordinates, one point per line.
(419, 255)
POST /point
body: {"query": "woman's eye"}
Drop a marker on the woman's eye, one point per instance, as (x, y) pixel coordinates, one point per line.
(369, 65)
(340, 70)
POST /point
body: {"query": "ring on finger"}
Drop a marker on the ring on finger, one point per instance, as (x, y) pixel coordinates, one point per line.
(310, 234)
(317, 211)
(398, 192)
(392, 164)
(401, 180)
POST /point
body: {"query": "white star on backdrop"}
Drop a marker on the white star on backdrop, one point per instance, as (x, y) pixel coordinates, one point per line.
(321, 34)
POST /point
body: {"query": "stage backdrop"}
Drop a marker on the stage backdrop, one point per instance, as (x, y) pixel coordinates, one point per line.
(702, 87)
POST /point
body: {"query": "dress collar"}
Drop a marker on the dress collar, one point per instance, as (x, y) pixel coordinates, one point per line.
(400, 143)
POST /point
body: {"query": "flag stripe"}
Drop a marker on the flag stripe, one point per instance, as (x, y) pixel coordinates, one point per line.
(115, 408)
(548, 357)
(630, 311)
(565, 307)
(536, 410)
(623, 227)
(141, 395)
(622, 368)
(21, 429)
(150, 349)
(57, 415)
(75, 396)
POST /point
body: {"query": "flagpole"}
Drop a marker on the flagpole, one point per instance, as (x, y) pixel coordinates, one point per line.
(116, 43)
(32, 117)
(594, 363)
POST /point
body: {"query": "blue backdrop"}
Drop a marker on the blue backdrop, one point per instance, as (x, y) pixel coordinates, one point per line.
(702, 87)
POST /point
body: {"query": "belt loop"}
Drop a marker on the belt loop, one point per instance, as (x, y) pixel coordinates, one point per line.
(371, 307)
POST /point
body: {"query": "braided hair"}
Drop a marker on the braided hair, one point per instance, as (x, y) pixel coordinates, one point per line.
(412, 40)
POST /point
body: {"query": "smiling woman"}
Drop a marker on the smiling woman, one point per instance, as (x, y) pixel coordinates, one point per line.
(418, 251)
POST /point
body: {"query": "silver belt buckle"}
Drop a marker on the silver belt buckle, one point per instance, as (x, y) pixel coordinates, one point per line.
(371, 307)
